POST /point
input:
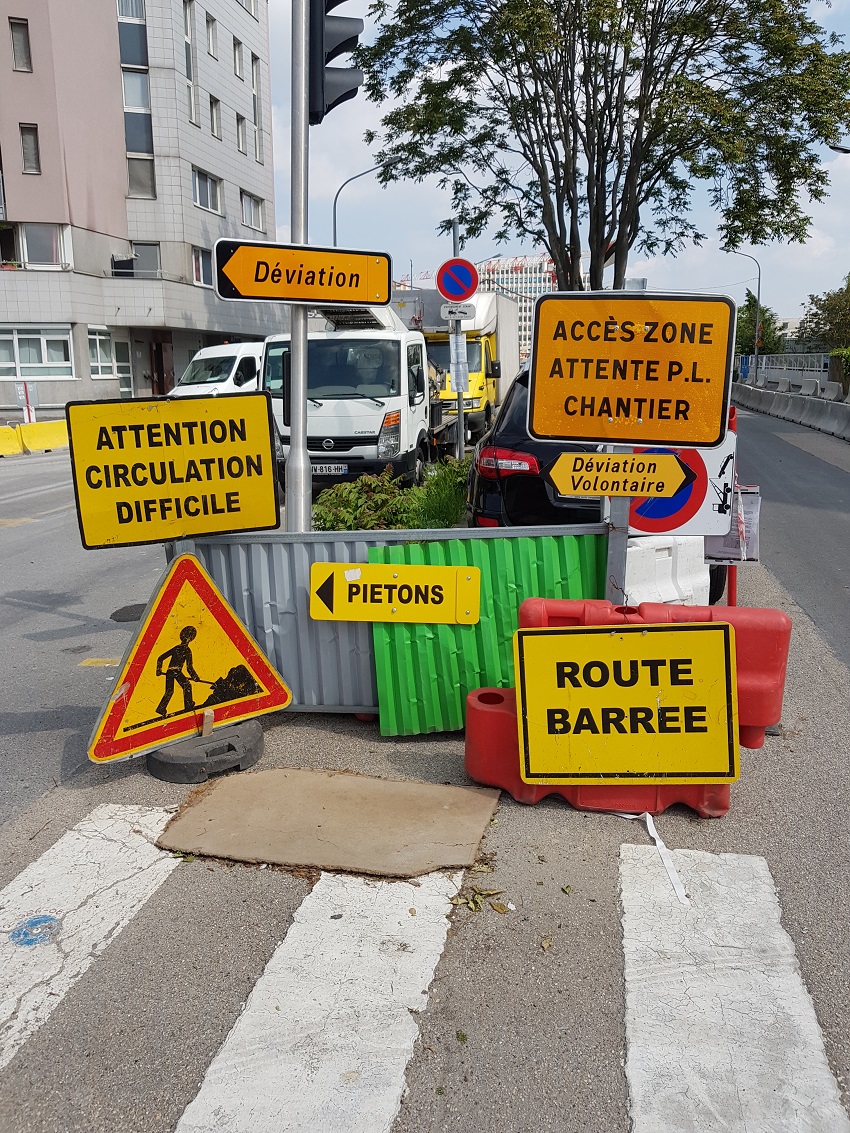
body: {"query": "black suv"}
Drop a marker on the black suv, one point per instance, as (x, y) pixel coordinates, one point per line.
(508, 482)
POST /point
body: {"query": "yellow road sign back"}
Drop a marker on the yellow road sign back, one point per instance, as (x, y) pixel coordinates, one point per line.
(150, 470)
(641, 703)
(294, 273)
(191, 655)
(383, 592)
(628, 368)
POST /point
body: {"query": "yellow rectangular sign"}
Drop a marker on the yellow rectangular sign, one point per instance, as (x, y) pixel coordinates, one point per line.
(384, 592)
(152, 470)
(648, 704)
(635, 369)
(295, 273)
(661, 475)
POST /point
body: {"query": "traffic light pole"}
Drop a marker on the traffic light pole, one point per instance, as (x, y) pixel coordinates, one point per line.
(298, 471)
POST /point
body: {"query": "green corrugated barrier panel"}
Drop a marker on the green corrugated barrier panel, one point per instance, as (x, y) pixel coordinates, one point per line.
(424, 672)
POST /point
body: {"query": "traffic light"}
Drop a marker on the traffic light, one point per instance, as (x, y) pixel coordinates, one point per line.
(331, 36)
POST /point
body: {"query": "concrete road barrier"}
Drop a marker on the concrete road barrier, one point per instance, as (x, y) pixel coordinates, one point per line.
(810, 387)
(838, 420)
(832, 391)
(784, 385)
(815, 413)
(10, 441)
(43, 436)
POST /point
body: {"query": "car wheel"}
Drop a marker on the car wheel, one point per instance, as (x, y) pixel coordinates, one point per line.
(716, 584)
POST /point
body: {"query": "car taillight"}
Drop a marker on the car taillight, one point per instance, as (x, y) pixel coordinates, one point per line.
(494, 463)
(483, 521)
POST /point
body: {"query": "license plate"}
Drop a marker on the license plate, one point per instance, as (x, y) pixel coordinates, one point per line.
(330, 469)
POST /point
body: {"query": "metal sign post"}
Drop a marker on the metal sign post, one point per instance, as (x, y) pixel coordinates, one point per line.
(455, 332)
(298, 470)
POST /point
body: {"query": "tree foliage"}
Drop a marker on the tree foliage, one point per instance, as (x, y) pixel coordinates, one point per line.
(745, 329)
(826, 322)
(587, 123)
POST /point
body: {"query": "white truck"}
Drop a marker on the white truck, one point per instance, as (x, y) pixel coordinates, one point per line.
(370, 402)
(231, 368)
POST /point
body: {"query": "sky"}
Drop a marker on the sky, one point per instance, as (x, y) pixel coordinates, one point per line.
(402, 219)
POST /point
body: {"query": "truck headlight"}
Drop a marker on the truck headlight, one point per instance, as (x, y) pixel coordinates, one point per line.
(389, 438)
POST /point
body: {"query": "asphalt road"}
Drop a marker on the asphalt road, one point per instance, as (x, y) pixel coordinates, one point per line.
(60, 642)
(804, 478)
(524, 1026)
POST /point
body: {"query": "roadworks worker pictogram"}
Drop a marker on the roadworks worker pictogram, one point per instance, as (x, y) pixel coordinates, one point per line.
(192, 656)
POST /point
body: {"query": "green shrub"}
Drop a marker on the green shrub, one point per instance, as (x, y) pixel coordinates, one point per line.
(380, 503)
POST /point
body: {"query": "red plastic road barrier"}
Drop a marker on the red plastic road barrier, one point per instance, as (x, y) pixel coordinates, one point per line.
(492, 757)
(761, 645)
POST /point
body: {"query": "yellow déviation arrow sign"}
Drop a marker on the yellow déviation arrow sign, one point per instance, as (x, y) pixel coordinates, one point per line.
(621, 474)
(295, 274)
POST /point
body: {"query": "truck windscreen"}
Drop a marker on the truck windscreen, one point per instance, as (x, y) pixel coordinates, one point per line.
(438, 353)
(205, 371)
(342, 367)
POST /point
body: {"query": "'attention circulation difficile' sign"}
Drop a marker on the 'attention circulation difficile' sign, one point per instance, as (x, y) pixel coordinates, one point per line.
(148, 471)
(624, 368)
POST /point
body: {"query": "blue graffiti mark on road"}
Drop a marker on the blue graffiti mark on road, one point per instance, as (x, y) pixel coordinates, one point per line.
(39, 929)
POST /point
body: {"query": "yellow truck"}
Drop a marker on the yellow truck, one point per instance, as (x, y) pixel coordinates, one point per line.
(492, 351)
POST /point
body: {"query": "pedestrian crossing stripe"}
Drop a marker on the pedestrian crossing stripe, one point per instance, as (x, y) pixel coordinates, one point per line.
(190, 639)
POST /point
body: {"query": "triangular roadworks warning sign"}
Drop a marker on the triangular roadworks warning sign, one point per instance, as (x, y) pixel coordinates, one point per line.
(192, 654)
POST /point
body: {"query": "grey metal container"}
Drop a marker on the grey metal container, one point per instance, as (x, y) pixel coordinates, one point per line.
(265, 576)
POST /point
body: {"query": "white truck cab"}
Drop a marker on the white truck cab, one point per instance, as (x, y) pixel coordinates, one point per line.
(233, 368)
(367, 396)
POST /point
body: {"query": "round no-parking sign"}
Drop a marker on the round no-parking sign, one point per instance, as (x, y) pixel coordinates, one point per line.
(457, 280)
(655, 515)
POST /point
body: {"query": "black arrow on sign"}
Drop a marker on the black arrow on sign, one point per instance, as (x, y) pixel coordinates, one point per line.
(326, 592)
(688, 475)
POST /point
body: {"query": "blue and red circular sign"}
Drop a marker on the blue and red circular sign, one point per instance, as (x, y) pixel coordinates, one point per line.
(457, 280)
(655, 514)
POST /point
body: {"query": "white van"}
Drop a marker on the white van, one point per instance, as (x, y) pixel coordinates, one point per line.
(234, 368)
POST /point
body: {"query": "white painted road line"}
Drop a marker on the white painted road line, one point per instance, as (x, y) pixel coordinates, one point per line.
(329, 1028)
(721, 1033)
(61, 912)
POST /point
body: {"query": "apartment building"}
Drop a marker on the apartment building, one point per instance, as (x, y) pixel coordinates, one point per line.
(524, 278)
(133, 135)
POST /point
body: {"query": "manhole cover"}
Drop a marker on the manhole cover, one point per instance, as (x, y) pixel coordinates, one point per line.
(128, 613)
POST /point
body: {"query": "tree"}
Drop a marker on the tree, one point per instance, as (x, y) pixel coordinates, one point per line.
(745, 329)
(586, 123)
(826, 321)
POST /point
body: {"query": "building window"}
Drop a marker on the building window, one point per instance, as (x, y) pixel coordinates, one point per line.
(249, 6)
(41, 245)
(255, 98)
(131, 9)
(35, 352)
(141, 178)
(132, 44)
(138, 132)
(241, 136)
(215, 117)
(202, 267)
(212, 36)
(21, 57)
(137, 93)
(146, 261)
(206, 191)
(237, 59)
(100, 354)
(29, 149)
(252, 211)
(191, 92)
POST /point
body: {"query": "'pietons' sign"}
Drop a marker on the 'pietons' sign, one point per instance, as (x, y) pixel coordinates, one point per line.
(631, 369)
(151, 470)
(649, 704)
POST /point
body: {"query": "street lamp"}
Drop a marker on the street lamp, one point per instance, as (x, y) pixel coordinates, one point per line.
(758, 310)
(371, 169)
